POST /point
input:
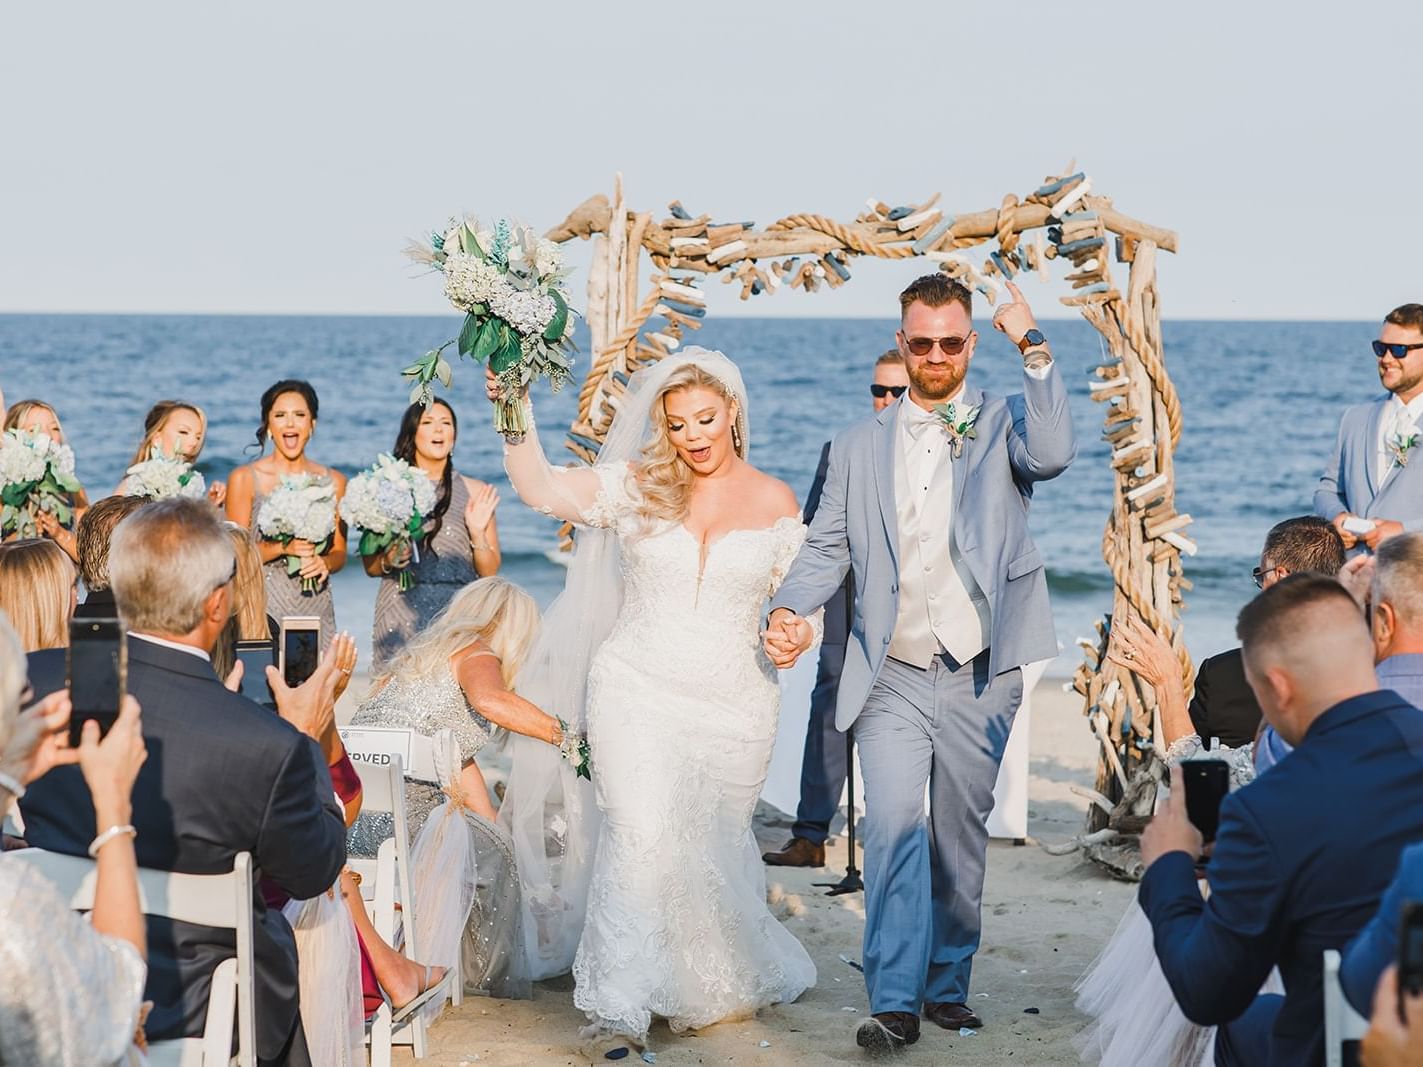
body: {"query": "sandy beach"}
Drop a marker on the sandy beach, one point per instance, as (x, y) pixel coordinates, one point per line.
(1044, 920)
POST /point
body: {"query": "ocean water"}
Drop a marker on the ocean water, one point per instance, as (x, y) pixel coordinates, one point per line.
(1261, 404)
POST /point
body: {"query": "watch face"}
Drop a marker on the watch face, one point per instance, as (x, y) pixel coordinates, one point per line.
(1034, 337)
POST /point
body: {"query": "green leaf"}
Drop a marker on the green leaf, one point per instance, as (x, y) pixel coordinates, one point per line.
(488, 340)
(559, 322)
(468, 332)
(509, 352)
(443, 372)
(469, 243)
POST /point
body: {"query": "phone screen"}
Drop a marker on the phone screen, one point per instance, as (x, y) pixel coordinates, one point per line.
(1207, 781)
(96, 670)
(256, 657)
(301, 649)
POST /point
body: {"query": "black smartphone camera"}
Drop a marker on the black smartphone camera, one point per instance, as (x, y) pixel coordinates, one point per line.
(96, 672)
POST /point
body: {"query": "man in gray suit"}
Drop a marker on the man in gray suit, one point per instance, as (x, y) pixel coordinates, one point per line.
(926, 504)
(1369, 478)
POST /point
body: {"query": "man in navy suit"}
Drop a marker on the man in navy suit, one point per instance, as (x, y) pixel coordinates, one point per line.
(825, 764)
(1369, 476)
(1303, 853)
(223, 774)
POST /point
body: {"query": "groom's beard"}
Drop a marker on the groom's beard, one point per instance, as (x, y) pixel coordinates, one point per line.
(937, 381)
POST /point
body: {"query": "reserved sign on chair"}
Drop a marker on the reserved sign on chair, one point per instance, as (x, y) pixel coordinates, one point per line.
(375, 745)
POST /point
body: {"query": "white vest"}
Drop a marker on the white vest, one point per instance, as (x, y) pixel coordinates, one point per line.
(941, 607)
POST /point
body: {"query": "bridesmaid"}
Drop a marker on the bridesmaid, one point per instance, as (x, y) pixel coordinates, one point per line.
(35, 416)
(461, 541)
(289, 419)
(175, 428)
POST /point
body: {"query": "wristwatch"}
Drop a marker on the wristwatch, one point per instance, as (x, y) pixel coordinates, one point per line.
(1031, 339)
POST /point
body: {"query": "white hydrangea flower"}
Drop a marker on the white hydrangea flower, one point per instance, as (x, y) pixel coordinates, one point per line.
(548, 258)
(23, 458)
(529, 313)
(383, 499)
(161, 476)
(469, 280)
(302, 507)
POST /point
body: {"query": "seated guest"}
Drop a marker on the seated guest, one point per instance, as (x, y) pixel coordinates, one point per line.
(1304, 852)
(223, 776)
(1396, 615)
(1223, 708)
(92, 535)
(72, 990)
(37, 592)
(457, 675)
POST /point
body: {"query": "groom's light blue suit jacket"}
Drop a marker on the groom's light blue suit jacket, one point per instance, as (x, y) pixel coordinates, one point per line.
(1351, 480)
(1021, 439)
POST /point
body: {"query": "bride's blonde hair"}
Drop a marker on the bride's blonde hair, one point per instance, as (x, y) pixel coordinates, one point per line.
(663, 477)
(493, 610)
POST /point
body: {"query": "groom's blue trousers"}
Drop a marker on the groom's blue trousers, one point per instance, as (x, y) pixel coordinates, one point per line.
(944, 727)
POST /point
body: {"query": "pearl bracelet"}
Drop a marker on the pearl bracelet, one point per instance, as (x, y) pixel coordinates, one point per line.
(108, 835)
(11, 786)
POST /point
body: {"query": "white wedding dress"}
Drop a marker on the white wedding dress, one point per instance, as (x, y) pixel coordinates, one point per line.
(655, 649)
(682, 713)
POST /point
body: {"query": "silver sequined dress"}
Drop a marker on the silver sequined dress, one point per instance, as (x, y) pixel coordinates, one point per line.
(446, 566)
(284, 593)
(492, 952)
(69, 996)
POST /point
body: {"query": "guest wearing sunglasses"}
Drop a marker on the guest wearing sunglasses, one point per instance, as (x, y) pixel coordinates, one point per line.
(1369, 478)
(823, 767)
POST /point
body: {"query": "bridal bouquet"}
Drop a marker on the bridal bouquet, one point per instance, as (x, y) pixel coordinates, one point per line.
(509, 282)
(36, 474)
(161, 476)
(389, 502)
(301, 508)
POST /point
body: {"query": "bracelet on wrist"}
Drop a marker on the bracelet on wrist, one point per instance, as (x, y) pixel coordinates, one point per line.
(11, 786)
(126, 830)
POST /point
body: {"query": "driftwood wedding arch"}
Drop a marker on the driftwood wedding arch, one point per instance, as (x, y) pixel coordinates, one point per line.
(1063, 220)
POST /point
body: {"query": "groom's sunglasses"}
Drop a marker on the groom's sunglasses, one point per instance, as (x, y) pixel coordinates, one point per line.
(879, 392)
(1397, 349)
(922, 346)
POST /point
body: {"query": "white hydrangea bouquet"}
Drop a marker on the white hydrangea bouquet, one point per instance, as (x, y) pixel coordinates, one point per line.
(509, 282)
(301, 508)
(161, 476)
(389, 503)
(36, 474)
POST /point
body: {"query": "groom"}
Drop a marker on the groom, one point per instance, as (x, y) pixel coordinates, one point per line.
(927, 504)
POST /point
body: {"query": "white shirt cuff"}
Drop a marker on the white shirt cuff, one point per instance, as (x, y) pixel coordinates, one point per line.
(1038, 373)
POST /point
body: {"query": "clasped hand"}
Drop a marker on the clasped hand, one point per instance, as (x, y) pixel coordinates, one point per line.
(786, 636)
(312, 565)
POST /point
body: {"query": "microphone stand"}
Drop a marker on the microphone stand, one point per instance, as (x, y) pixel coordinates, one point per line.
(851, 883)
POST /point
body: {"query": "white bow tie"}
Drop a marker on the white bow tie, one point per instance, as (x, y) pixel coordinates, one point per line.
(917, 420)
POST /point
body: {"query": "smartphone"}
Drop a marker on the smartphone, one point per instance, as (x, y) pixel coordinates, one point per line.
(1410, 952)
(256, 657)
(299, 648)
(96, 672)
(1206, 781)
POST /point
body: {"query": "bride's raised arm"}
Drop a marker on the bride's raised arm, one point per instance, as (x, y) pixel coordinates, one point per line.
(574, 494)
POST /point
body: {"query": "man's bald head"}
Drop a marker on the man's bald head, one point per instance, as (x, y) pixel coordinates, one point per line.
(1306, 648)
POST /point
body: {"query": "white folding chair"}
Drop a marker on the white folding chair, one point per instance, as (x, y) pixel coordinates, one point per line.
(1342, 1024)
(218, 900)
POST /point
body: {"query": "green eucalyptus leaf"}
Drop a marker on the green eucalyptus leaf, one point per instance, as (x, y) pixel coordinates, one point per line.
(559, 322)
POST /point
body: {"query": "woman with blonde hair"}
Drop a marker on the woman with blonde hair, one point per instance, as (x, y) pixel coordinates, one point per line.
(458, 675)
(35, 416)
(176, 429)
(37, 592)
(655, 645)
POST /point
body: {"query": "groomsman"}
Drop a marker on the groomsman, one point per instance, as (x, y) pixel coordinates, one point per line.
(1369, 477)
(824, 765)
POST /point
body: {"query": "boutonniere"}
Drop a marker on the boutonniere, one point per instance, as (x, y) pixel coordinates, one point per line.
(959, 423)
(1400, 444)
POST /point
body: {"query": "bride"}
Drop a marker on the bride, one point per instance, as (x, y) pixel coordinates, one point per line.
(654, 649)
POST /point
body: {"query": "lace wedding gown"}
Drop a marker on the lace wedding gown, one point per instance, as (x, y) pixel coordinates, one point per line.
(682, 714)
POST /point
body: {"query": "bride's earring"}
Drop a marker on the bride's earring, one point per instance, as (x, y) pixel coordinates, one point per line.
(736, 438)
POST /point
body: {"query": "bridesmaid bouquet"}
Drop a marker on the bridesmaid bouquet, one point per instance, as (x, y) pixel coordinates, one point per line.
(509, 282)
(36, 474)
(389, 502)
(161, 476)
(301, 508)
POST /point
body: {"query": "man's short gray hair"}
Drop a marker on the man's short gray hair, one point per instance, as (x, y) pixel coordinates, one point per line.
(165, 560)
(1398, 578)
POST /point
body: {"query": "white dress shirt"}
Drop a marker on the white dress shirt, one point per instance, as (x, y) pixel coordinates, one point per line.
(174, 645)
(1398, 418)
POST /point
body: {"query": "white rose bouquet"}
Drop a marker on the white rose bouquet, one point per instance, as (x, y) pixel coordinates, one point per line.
(389, 503)
(161, 476)
(36, 474)
(301, 508)
(509, 282)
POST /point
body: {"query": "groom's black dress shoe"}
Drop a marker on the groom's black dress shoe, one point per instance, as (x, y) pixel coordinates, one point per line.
(798, 852)
(889, 1031)
(952, 1016)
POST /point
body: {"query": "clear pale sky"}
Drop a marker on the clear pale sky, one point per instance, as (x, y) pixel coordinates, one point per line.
(266, 157)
